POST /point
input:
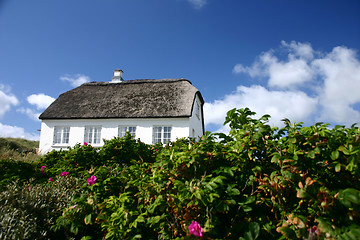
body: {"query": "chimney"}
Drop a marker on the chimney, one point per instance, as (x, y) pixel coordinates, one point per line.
(117, 78)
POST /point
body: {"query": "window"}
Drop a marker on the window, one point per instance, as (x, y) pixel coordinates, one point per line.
(92, 134)
(197, 109)
(124, 129)
(61, 135)
(161, 134)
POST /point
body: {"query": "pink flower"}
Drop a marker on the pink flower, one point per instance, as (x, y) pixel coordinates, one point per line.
(85, 143)
(195, 229)
(313, 230)
(91, 180)
(110, 169)
(51, 179)
(63, 174)
(42, 168)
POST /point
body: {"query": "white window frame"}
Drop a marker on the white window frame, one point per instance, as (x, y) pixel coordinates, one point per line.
(122, 129)
(61, 135)
(92, 134)
(162, 134)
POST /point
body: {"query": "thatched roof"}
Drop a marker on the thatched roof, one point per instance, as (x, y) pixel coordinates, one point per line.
(127, 99)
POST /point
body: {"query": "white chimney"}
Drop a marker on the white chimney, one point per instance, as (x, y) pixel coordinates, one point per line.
(117, 78)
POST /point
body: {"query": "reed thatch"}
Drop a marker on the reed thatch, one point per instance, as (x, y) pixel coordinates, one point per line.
(127, 99)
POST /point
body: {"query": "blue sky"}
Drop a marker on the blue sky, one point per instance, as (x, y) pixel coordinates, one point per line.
(296, 59)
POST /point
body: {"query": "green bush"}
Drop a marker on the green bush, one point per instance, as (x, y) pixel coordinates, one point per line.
(124, 150)
(17, 170)
(257, 182)
(27, 211)
(73, 160)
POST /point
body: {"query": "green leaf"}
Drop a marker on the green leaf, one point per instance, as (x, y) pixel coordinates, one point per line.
(229, 171)
(212, 195)
(338, 167)
(276, 156)
(334, 155)
(247, 208)
(311, 154)
(250, 199)
(87, 219)
(137, 236)
(74, 229)
(350, 195)
(344, 150)
(254, 231)
(218, 179)
(233, 191)
(86, 238)
(153, 220)
(287, 232)
(197, 195)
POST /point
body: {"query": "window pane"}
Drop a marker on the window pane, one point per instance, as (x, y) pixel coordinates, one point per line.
(92, 134)
(66, 133)
(132, 131)
(167, 134)
(157, 134)
(161, 134)
(97, 135)
(88, 134)
(61, 135)
(57, 135)
(124, 129)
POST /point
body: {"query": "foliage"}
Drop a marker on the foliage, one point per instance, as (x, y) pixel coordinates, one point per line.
(17, 160)
(74, 160)
(257, 182)
(27, 211)
(124, 150)
(17, 170)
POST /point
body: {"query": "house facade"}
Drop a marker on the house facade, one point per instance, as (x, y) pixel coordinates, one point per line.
(153, 110)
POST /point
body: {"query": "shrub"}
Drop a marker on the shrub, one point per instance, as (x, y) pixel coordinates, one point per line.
(124, 150)
(257, 182)
(17, 170)
(74, 160)
(27, 211)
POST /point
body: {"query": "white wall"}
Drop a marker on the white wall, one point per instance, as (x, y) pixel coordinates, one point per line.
(181, 127)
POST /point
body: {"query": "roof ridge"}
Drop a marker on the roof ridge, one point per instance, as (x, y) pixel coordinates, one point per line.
(136, 81)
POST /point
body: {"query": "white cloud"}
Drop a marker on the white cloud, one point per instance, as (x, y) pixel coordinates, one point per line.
(340, 71)
(6, 100)
(30, 113)
(287, 74)
(279, 104)
(303, 85)
(197, 3)
(16, 132)
(75, 80)
(301, 50)
(41, 101)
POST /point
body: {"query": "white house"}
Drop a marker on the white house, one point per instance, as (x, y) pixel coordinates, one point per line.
(155, 111)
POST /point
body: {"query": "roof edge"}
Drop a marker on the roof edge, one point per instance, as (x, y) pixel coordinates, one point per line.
(182, 116)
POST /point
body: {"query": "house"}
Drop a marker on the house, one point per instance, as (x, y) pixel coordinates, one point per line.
(153, 110)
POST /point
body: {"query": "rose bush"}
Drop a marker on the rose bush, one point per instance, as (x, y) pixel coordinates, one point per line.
(256, 182)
